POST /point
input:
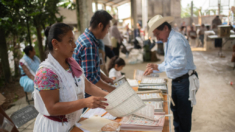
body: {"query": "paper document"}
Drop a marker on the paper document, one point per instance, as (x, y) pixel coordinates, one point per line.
(153, 81)
(162, 87)
(139, 74)
(151, 96)
(146, 112)
(136, 120)
(97, 112)
(155, 104)
(123, 101)
(133, 82)
(118, 82)
(94, 124)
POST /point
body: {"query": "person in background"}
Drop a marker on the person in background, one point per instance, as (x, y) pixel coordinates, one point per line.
(28, 65)
(201, 34)
(116, 37)
(115, 67)
(218, 42)
(60, 85)
(192, 36)
(176, 27)
(108, 47)
(87, 51)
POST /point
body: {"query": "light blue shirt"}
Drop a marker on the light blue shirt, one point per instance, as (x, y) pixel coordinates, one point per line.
(178, 56)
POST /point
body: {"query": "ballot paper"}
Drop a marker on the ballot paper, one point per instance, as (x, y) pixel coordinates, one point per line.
(146, 112)
(151, 96)
(136, 122)
(160, 87)
(139, 74)
(155, 81)
(133, 82)
(123, 101)
(158, 105)
(119, 81)
(97, 112)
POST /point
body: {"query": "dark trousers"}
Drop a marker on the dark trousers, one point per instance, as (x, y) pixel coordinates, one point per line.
(116, 49)
(182, 111)
(108, 53)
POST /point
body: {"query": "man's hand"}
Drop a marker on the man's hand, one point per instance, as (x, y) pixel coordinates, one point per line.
(148, 71)
(153, 66)
(150, 67)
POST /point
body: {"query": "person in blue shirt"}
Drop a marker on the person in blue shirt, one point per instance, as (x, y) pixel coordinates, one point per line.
(177, 64)
(86, 52)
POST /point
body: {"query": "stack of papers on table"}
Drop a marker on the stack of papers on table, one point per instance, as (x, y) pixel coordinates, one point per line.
(153, 95)
(158, 105)
(154, 98)
(133, 122)
(163, 88)
(147, 81)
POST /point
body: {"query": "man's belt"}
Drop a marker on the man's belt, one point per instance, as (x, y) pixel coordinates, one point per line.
(183, 76)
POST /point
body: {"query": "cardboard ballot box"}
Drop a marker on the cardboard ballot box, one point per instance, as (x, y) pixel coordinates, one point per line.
(223, 30)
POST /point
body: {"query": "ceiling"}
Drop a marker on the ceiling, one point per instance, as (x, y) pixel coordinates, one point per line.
(113, 3)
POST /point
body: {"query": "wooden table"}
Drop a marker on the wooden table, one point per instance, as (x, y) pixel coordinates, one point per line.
(166, 127)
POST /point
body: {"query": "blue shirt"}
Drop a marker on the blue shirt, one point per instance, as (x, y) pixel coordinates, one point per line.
(178, 56)
(87, 55)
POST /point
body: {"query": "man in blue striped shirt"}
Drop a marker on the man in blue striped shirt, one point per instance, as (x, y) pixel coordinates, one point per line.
(177, 64)
(87, 51)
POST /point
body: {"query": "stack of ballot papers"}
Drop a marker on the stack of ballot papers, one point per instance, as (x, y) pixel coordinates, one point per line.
(139, 74)
(163, 88)
(157, 105)
(154, 98)
(147, 81)
(137, 123)
(98, 112)
(153, 95)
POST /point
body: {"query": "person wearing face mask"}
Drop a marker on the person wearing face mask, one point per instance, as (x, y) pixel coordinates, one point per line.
(179, 66)
(87, 51)
(28, 65)
(60, 85)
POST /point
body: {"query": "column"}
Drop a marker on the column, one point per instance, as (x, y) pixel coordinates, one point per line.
(133, 14)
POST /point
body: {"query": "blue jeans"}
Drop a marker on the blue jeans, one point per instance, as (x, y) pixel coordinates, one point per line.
(182, 111)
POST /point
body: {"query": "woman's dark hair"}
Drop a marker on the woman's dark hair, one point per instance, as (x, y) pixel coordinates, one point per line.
(161, 27)
(27, 49)
(56, 31)
(116, 60)
(100, 16)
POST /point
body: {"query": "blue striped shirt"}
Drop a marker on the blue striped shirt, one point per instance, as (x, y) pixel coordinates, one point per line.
(87, 55)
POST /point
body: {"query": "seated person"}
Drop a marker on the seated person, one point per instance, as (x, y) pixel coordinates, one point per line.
(29, 64)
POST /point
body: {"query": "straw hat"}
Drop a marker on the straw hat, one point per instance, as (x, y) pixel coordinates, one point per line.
(157, 20)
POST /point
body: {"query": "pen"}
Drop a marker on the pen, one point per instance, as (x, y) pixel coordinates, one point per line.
(104, 114)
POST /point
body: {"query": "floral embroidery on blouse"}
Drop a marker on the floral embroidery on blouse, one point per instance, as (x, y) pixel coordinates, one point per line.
(46, 79)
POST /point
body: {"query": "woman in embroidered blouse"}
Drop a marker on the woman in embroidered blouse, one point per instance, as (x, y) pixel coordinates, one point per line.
(29, 64)
(60, 85)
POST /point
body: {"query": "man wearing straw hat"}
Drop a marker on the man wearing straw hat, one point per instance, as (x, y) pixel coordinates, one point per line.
(179, 66)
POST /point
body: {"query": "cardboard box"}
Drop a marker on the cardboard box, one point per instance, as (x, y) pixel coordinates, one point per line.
(224, 30)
